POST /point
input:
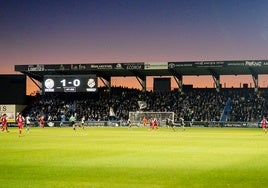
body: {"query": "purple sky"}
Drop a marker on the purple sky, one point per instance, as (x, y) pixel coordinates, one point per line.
(88, 31)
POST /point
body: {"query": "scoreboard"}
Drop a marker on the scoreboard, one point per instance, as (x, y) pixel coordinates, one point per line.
(70, 83)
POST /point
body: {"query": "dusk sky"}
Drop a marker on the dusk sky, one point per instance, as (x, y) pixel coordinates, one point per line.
(109, 31)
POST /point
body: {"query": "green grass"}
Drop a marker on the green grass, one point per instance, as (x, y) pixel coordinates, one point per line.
(119, 157)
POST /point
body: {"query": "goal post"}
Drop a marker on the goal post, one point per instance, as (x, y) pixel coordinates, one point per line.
(137, 117)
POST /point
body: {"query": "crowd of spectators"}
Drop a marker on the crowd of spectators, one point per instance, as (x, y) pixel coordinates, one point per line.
(193, 104)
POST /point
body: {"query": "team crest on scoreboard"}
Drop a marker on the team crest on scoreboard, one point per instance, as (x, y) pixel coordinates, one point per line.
(91, 83)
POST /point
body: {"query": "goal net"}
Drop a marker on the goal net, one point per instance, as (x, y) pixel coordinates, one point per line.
(137, 117)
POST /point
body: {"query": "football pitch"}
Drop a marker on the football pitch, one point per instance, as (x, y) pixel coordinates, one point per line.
(121, 157)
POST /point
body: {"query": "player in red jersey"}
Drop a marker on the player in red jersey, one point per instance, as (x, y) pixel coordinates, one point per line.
(42, 121)
(151, 122)
(20, 122)
(4, 122)
(264, 124)
(155, 124)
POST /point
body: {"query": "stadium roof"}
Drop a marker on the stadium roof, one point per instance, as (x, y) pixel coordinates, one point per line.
(144, 69)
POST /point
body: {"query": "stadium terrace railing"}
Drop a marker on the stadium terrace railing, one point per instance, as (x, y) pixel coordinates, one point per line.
(122, 124)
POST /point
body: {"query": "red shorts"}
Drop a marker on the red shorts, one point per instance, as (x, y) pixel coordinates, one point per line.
(20, 125)
(264, 126)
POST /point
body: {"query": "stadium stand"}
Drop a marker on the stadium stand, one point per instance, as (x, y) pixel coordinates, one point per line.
(219, 105)
(199, 105)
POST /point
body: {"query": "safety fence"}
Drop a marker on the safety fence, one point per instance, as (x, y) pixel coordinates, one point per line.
(124, 123)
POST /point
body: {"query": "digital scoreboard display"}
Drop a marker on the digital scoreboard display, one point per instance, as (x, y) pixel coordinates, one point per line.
(70, 83)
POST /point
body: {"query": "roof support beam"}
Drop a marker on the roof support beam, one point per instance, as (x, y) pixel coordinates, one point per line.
(142, 81)
(256, 83)
(178, 78)
(34, 81)
(216, 78)
(107, 82)
(255, 79)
